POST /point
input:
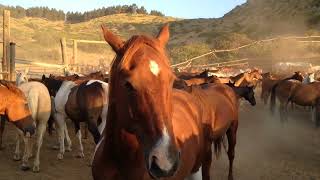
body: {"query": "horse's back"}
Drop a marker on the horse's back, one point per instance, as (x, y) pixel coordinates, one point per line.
(38, 97)
(306, 94)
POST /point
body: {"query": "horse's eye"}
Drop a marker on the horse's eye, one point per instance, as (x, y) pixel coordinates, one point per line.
(129, 87)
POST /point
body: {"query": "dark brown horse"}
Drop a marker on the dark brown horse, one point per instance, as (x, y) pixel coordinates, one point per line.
(153, 130)
(246, 92)
(308, 95)
(283, 90)
(187, 75)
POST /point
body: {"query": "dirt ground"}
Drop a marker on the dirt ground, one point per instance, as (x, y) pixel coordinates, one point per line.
(265, 150)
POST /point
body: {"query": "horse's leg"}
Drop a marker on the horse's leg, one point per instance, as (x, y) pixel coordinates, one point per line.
(2, 125)
(17, 155)
(313, 114)
(41, 131)
(78, 134)
(317, 112)
(232, 139)
(67, 137)
(60, 119)
(92, 126)
(27, 151)
(85, 131)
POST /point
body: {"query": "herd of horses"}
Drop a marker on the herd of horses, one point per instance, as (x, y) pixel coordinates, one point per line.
(147, 121)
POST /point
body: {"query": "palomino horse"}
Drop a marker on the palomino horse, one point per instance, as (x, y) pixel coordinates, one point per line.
(243, 79)
(86, 102)
(283, 90)
(40, 106)
(308, 95)
(154, 130)
(14, 106)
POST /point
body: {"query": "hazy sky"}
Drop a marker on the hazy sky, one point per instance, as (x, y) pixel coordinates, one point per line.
(175, 8)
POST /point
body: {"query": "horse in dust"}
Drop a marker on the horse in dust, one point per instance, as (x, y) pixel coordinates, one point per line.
(308, 95)
(187, 75)
(246, 92)
(243, 79)
(39, 102)
(84, 101)
(14, 108)
(268, 81)
(154, 130)
(283, 90)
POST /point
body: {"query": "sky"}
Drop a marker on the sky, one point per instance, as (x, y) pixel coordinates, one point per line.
(187, 9)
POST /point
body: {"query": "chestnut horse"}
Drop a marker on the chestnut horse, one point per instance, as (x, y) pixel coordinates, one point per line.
(283, 90)
(15, 109)
(154, 130)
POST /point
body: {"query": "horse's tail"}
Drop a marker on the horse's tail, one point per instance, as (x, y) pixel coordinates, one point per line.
(317, 112)
(50, 125)
(273, 98)
(218, 146)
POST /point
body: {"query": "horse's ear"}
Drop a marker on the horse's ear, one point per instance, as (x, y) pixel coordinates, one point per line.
(164, 35)
(26, 71)
(43, 77)
(113, 40)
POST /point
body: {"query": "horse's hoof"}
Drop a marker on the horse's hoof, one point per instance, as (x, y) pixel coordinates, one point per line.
(68, 149)
(79, 155)
(36, 169)
(230, 178)
(60, 156)
(24, 167)
(17, 157)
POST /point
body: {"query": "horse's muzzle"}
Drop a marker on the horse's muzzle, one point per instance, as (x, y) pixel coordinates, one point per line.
(158, 165)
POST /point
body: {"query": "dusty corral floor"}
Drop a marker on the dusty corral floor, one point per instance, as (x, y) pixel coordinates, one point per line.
(265, 150)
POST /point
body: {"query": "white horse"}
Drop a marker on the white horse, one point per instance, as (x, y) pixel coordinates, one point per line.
(309, 79)
(40, 105)
(61, 115)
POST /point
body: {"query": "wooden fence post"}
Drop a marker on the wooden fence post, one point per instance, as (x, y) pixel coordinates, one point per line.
(12, 61)
(64, 52)
(6, 43)
(75, 52)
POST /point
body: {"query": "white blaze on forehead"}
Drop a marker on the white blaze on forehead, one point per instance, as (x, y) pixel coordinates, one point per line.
(154, 67)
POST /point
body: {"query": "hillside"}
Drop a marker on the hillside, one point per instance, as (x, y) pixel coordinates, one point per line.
(38, 39)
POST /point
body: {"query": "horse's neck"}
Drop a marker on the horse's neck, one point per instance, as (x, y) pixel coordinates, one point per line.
(239, 79)
(121, 145)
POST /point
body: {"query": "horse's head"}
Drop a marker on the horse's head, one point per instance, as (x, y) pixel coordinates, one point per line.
(249, 95)
(256, 75)
(298, 76)
(140, 94)
(22, 77)
(15, 107)
(52, 84)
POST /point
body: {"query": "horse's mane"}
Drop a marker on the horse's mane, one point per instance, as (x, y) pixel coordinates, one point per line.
(12, 88)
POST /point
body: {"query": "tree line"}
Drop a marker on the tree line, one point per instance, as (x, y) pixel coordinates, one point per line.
(76, 17)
